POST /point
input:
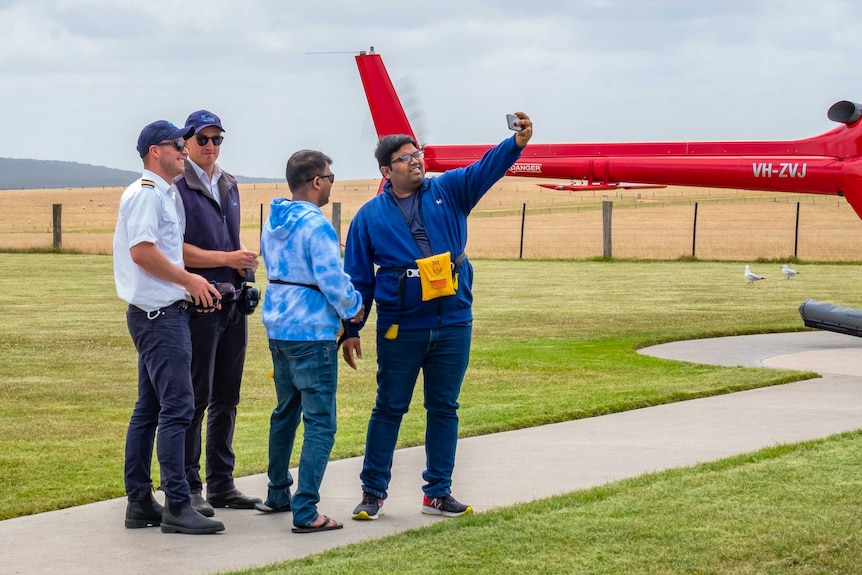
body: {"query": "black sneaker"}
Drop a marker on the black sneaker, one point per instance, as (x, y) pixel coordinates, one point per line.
(446, 506)
(370, 508)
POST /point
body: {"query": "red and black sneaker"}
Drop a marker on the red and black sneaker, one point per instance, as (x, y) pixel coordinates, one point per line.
(446, 506)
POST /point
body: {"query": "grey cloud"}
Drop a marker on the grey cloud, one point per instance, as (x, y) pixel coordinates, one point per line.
(585, 70)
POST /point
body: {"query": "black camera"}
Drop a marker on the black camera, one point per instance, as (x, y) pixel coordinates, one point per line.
(226, 293)
(248, 296)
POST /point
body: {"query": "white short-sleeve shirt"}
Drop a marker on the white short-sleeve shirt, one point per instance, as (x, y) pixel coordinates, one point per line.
(148, 213)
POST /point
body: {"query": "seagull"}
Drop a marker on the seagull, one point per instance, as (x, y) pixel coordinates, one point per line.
(752, 277)
(788, 273)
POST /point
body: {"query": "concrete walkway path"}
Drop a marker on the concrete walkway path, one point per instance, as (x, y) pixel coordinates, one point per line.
(491, 471)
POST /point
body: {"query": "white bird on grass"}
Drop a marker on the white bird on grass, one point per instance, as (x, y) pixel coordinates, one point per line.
(752, 277)
(788, 273)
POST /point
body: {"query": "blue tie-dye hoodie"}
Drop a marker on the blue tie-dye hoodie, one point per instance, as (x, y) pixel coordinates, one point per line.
(299, 245)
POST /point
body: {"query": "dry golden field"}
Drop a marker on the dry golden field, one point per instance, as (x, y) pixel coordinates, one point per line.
(647, 224)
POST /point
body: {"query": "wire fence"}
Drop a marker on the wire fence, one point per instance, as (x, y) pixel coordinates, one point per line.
(653, 225)
(827, 230)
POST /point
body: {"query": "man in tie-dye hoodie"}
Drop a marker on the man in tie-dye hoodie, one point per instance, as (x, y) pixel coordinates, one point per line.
(307, 297)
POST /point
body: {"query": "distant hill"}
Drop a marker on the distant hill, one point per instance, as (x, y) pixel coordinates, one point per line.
(18, 174)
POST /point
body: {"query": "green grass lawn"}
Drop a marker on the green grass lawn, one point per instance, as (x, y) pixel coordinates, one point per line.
(783, 510)
(553, 341)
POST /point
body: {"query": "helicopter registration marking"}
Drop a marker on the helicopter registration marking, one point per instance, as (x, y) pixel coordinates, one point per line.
(784, 170)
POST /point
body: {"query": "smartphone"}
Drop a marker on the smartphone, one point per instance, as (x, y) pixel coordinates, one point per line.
(511, 119)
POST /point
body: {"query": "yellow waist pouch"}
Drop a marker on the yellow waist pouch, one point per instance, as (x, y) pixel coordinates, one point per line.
(437, 276)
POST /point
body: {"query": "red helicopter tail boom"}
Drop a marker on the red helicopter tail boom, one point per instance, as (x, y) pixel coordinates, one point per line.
(829, 163)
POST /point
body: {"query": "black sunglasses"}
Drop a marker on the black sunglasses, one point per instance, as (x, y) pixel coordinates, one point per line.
(330, 177)
(202, 140)
(178, 144)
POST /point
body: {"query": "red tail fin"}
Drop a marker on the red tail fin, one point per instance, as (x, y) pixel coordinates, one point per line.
(386, 110)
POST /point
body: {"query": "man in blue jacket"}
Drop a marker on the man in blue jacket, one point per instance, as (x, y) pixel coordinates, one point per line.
(414, 221)
(210, 210)
(307, 298)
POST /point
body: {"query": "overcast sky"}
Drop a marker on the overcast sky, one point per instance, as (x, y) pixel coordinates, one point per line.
(80, 78)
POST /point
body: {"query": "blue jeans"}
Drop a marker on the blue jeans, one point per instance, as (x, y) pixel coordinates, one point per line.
(442, 354)
(306, 378)
(165, 401)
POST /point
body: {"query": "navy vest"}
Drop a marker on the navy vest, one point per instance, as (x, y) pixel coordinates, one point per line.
(208, 225)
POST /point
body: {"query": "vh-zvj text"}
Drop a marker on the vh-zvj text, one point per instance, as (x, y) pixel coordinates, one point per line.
(783, 170)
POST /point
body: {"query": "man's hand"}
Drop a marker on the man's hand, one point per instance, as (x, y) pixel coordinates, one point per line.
(153, 261)
(351, 345)
(526, 132)
(242, 260)
(204, 295)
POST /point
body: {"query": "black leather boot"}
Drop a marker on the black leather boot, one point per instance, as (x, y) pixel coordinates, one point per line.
(233, 498)
(146, 512)
(184, 519)
(201, 505)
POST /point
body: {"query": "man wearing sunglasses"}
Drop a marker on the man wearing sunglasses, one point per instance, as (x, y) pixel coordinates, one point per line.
(405, 249)
(150, 277)
(308, 296)
(210, 212)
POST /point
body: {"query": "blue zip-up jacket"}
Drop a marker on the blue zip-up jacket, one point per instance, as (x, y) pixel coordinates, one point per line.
(208, 225)
(299, 245)
(379, 236)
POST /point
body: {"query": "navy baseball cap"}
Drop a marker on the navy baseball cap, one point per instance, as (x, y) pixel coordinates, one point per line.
(203, 119)
(159, 131)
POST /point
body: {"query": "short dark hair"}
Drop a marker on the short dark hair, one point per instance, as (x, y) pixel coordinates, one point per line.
(387, 145)
(303, 166)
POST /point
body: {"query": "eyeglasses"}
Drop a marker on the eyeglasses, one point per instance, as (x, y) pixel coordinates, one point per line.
(202, 140)
(406, 158)
(330, 177)
(178, 144)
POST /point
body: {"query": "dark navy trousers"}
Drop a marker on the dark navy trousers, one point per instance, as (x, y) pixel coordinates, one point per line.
(218, 354)
(165, 401)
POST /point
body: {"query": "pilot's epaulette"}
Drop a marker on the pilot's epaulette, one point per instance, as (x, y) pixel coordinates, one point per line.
(149, 183)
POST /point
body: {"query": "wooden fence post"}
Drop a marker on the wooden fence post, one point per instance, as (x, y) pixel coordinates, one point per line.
(260, 229)
(796, 233)
(58, 226)
(607, 212)
(523, 218)
(336, 220)
(694, 233)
